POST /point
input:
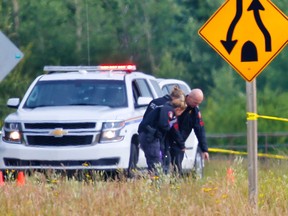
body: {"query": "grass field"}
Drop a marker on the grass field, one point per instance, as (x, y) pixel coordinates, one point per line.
(216, 194)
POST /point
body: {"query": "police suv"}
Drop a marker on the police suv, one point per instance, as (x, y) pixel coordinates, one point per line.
(78, 117)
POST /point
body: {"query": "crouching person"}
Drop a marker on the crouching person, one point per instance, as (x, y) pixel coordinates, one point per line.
(153, 129)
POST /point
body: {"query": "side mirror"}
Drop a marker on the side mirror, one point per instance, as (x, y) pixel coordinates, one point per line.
(13, 102)
(144, 101)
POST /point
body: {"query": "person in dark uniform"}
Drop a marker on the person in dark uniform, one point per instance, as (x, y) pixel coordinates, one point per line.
(153, 128)
(190, 119)
(176, 93)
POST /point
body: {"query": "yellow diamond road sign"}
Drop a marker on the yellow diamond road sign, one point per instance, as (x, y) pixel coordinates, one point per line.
(248, 34)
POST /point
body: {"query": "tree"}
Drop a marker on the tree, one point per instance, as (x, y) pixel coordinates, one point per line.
(225, 108)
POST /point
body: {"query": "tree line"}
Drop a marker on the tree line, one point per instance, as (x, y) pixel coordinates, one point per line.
(160, 37)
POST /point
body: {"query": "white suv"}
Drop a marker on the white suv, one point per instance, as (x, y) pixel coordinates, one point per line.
(78, 117)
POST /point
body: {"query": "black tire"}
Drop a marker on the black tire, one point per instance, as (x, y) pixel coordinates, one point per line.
(134, 154)
(198, 164)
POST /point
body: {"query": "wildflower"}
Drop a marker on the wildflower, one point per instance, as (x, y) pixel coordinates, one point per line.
(85, 164)
(207, 190)
(54, 181)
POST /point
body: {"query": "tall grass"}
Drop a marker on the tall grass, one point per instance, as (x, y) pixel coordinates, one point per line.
(215, 194)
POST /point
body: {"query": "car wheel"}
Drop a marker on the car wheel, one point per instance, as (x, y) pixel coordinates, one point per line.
(199, 164)
(134, 151)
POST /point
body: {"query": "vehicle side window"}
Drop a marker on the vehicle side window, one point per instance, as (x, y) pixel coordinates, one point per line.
(165, 90)
(136, 92)
(168, 88)
(141, 89)
(184, 88)
(171, 86)
(156, 87)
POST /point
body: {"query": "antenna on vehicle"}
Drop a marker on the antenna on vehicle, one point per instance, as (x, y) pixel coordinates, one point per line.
(88, 33)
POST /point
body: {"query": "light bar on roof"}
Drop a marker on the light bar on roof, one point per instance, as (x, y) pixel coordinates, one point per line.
(70, 68)
(128, 67)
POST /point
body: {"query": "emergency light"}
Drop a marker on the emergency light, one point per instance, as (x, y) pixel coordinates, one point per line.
(128, 68)
(120, 67)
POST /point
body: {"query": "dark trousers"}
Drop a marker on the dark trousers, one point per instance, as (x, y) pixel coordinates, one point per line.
(152, 151)
(176, 158)
(166, 161)
(166, 157)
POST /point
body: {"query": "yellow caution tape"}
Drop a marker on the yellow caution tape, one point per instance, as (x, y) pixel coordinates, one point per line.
(251, 116)
(254, 116)
(226, 151)
(273, 156)
(245, 153)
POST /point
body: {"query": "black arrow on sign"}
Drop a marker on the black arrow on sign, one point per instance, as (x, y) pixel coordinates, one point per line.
(256, 6)
(229, 43)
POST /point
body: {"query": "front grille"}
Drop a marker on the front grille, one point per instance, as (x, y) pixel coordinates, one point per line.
(84, 125)
(59, 141)
(62, 163)
(74, 133)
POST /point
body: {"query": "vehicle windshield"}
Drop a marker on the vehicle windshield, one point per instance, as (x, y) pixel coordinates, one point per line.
(110, 93)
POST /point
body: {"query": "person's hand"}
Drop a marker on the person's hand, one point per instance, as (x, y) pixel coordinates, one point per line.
(184, 149)
(158, 134)
(205, 155)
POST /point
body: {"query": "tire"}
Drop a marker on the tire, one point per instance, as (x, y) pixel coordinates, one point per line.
(199, 164)
(134, 154)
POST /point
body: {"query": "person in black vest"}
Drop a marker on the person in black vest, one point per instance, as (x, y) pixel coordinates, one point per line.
(176, 93)
(190, 119)
(153, 128)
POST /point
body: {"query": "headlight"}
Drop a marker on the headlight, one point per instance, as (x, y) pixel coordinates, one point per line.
(111, 131)
(12, 132)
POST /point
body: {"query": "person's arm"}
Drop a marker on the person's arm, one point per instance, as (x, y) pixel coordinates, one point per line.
(177, 137)
(201, 136)
(165, 116)
(200, 133)
(185, 123)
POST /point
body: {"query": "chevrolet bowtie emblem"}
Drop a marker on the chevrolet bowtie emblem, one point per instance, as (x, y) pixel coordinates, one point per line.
(58, 132)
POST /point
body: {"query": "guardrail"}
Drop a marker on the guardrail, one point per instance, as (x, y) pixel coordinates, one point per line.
(238, 141)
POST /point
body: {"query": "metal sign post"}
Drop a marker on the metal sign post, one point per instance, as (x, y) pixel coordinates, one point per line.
(252, 143)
